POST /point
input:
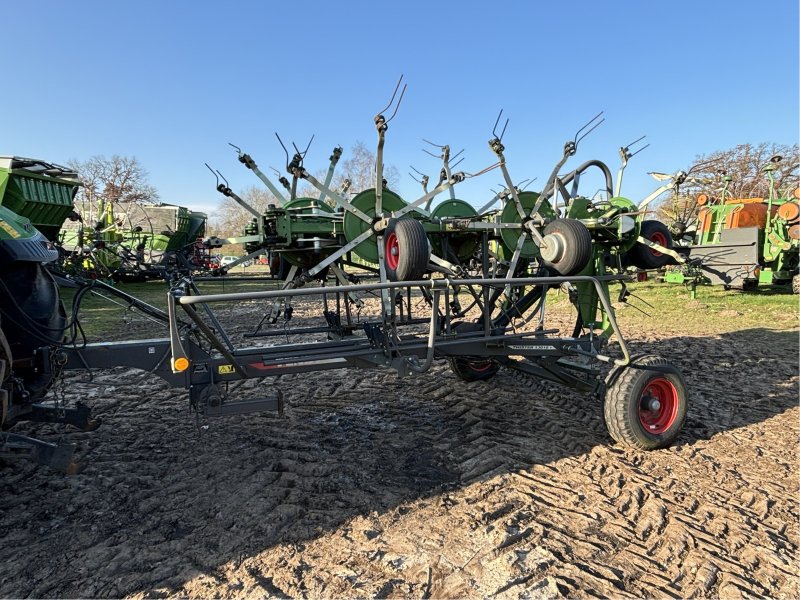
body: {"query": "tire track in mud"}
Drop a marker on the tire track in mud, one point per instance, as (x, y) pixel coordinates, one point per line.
(377, 486)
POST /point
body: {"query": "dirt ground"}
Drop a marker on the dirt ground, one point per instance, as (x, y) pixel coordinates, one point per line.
(376, 486)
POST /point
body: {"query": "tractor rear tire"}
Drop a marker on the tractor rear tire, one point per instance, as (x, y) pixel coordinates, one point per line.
(573, 246)
(473, 368)
(645, 257)
(406, 250)
(645, 404)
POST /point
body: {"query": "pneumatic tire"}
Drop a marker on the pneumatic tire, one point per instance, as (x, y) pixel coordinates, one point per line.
(645, 404)
(406, 250)
(645, 257)
(572, 246)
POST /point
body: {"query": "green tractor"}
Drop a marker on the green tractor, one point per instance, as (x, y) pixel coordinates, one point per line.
(35, 199)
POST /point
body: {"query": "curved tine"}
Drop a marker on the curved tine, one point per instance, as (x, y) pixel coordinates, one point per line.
(639, 150)
(212, 172)
(304, 152)
(457, 154)
(486, 170)
(431, 153)
(432, 144)
(633, 143)
(455, 164)
(388, 106)
(399, 100)
(285, 151)
(278, 173)
(414, 178)
(577, 139)
(494, 129)
(417, 171)
(703, 164)
(223, 179)
(239, 150)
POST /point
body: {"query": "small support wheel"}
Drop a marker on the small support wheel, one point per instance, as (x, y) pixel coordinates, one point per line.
(473, 368)
(645, 257)
(406, 250)
(568, 246)
(645, 404)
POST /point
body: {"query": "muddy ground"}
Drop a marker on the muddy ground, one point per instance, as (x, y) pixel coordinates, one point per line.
(375, 486)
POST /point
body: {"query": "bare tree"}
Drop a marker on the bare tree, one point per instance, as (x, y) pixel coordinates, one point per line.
(744, 165)
(230, 218)
(120, 180)
(359, 169)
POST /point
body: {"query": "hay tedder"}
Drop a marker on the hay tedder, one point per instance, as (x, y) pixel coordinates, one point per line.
(383, 282)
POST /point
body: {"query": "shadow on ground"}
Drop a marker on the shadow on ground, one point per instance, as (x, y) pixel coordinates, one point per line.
(162, 501)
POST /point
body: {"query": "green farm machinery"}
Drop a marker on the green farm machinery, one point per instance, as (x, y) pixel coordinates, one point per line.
(743, 242)
(144, 241)
(449, 282)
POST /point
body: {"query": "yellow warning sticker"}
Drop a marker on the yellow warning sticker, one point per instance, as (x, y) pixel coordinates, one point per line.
(225, 369)
(9, 229)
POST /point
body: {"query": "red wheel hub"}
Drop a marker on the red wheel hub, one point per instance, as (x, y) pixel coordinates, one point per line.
(392, 251)
(660, 239)
(658, 405)
(479, 366)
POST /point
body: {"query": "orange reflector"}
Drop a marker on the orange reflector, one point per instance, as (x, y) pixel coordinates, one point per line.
(789, 211)
(702, 199)
(756, 271)
(180, 364)
(796, 193)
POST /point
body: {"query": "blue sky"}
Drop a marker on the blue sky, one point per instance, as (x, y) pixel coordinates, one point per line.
(173, 82)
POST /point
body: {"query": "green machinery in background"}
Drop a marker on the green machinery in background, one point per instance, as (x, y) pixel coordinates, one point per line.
(744, 242)
(141, 242)
(39, 191)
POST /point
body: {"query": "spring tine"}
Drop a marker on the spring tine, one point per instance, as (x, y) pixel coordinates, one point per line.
(417, 171)
(431, 154)
(388, 106)
(639, 150)
(457, 154)
(212, 172)
(458, 162)
(239, 150)
(399, 100)
(223, 179)
(494, 129)
(578, 139)
(285, 151)
(432, 144)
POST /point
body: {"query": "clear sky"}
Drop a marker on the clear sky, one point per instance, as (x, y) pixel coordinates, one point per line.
(173, 82)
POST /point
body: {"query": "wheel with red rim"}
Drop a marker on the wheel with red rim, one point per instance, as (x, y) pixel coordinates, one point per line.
(406, 251)
(646, 403)
(645, 257)
(473, 368)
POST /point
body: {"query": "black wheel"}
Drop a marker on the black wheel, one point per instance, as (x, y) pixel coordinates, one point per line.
(284, 266)
(568, 246)
(473, 368)
(645, 405)
(5, 371)
(406, 250)
(645, 257)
